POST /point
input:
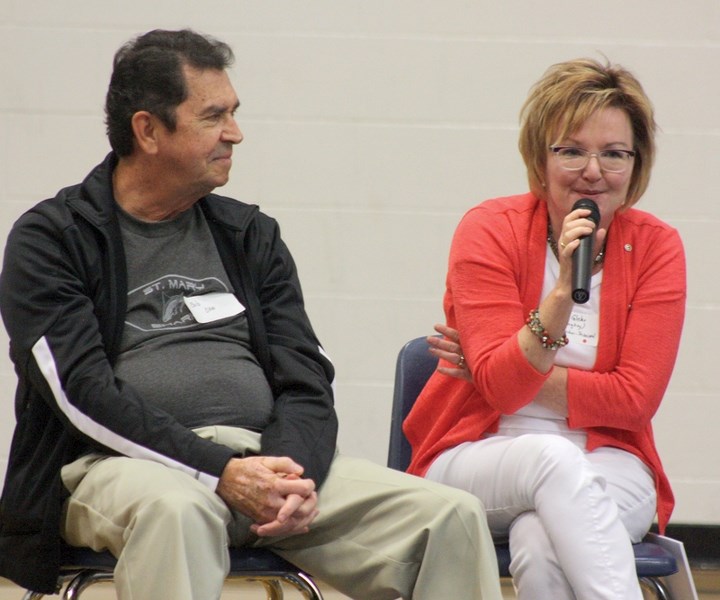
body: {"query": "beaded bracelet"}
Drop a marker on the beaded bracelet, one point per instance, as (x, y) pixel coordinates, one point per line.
(533, 322)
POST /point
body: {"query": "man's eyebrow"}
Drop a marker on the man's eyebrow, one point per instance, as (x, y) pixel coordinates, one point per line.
(218, 109)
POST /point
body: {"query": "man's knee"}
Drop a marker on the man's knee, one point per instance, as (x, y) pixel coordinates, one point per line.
(184, 510)
(453, 508)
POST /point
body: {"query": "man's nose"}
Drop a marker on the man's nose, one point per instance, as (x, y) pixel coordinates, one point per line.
(232, 133)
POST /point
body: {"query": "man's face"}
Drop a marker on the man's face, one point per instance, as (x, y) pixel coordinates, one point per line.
(197, 155)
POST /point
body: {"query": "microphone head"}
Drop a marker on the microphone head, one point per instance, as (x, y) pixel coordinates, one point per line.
(592, 206)
(580, 296)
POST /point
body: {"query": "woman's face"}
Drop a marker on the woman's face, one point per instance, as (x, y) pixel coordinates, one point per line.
(607, 129)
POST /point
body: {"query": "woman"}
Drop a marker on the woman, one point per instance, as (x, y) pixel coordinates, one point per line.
(551, 427)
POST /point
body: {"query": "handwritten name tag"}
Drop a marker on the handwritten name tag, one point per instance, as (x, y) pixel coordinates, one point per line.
(213, 307)
(583, 328)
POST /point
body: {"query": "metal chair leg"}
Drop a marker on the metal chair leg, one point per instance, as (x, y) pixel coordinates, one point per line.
(304, 584)
(300, 581)
(273, 589)
(657, 587)
(83, 580)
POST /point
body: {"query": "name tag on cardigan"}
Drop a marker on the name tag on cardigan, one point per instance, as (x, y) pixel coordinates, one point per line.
(214, 306)
(583, 327)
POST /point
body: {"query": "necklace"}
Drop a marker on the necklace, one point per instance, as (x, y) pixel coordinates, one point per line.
(553, 246)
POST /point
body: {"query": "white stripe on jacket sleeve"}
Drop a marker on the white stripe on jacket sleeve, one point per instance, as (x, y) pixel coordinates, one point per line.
(46, 362)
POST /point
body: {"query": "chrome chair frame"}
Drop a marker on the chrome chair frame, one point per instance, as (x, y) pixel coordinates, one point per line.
(83, 567)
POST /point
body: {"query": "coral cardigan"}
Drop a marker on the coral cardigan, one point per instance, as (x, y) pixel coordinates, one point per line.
(495, 278)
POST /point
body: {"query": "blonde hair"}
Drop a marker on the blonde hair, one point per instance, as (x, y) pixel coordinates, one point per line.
(563, 100)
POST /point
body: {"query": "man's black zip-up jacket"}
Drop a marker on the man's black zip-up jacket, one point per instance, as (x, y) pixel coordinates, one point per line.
(63, 292)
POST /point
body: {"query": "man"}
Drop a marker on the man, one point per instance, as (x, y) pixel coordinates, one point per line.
(173, 398)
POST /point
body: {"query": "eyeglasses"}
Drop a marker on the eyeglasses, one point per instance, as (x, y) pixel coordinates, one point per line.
(576, 159)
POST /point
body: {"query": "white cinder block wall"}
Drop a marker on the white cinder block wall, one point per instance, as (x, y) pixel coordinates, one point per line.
(370, 127)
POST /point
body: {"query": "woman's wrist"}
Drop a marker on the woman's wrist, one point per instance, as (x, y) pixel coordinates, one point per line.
(539, 331)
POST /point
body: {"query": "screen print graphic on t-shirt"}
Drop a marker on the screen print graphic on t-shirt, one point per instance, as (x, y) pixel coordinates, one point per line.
(201, 373)
(160, 304)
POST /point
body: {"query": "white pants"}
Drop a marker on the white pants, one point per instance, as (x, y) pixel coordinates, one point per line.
(569, 515)
(381, 534)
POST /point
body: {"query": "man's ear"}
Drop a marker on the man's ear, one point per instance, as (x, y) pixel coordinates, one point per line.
(145, 128)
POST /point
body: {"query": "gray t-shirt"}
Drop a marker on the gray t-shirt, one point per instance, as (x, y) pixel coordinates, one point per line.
(201, 373)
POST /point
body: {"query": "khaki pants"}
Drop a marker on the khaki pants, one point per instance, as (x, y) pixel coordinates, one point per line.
(380, 534)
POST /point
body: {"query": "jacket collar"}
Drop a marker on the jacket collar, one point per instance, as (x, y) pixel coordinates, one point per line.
(96, 202)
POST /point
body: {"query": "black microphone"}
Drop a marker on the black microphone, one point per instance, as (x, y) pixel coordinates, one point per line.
(582, 260)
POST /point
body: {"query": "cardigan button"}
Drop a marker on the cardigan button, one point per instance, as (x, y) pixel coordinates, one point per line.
(628, 247)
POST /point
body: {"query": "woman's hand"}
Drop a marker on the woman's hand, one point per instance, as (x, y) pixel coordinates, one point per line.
(576, 225)
(552, 395)
(448, 348)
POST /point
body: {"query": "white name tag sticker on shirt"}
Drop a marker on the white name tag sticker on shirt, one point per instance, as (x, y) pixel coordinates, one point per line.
(213, 307)
(583, 328)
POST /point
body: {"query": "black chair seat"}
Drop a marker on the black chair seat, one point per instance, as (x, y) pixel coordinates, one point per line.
(242, 560)
(651, 560)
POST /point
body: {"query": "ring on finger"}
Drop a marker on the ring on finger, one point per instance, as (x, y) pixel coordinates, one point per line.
(562, 245)
(461, 362)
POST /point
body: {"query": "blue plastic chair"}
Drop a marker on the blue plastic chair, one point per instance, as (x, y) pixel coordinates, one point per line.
(83, 567)
(414, 367)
